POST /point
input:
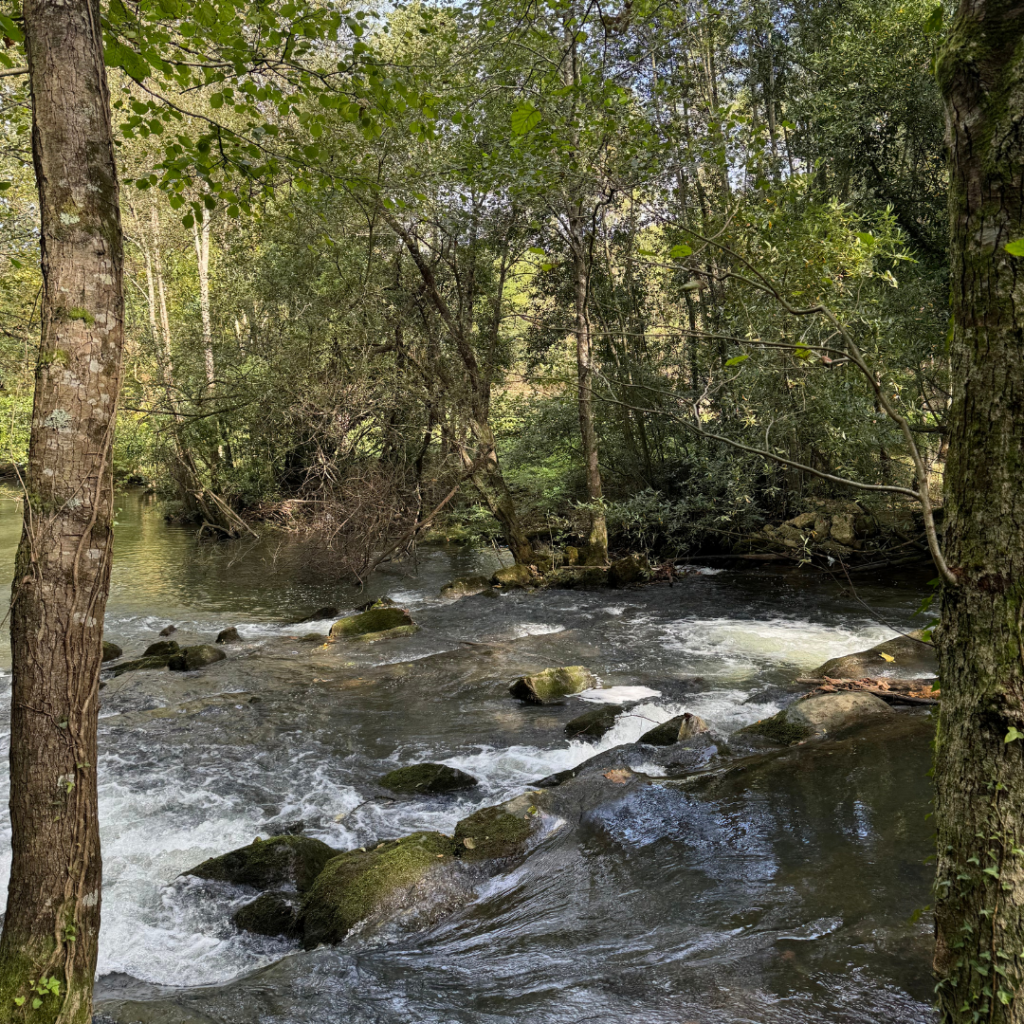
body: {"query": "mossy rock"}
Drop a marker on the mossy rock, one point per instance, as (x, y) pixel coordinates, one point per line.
(377, 602)
(193, 658)
(572, 555)
(139, 664)
(631, 569)
(271, 913)
(513, 576)
(427, 778)
(374, 624)
(593, 724)
(228, 636)
(829, 714)
(162, 649)
(111, 652)
(552, 685)
(359, 883)
(675, 730)
(293, 861)
(466, 586)
(911, 657)
(494, 832)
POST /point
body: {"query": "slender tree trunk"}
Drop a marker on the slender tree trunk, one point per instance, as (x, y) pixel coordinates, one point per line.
(201, 236)
(62, 571)
(979, 762)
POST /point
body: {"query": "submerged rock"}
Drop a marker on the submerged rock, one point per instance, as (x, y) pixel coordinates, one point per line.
(494, 832)
(513, 576)
(427, 778)
(631, 569)
(318, 616)
(374, 624)
(111, 652)
(593, 724)
(466, 586)
(228, 636)
(139, 664)
(293, 861)
(675, 730)
(168, 630)
(553, 684)
(162, 649)
(271, 913)
(902, 654)
(192, 658)
(818, 717)
(354, 885)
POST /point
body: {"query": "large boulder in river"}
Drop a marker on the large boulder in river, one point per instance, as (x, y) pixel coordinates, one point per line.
(675, 730)
(111, 652)
(228, 636)
(271, 913)
(359, 883)
(513, 576)
(374, 624)
(162, 649)
(466, 586)
(820, 717)
(631, 569)
(290, 861)
(193, 658)
(593, 724)
(495, 832)
(903, 655)
(552, 685)
(427, 778)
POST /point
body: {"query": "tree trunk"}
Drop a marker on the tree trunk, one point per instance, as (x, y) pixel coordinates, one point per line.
(979, 761)
(62, 575)
(201, 236)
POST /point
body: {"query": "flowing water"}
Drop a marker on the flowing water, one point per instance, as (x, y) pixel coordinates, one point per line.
(786, 896)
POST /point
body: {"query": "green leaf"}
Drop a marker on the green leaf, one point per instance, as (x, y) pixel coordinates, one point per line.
(1016, 247)
(933, 23)
(36, 1003)
(19, 1000)
(680, 251)
(736, 360)
(1013, 734)
(865, 239)
(525, 118)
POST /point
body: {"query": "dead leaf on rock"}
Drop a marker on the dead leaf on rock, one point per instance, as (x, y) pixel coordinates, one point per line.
(619, 775)
(469, 843)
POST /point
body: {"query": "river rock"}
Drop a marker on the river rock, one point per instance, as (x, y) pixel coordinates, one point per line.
(593, 724)
(374, 624)
(819, 717)
(271, 913)
(111, 652)
(192, 658)
(493, 832)
(466, 586)
(910, 658)
(553, 684)
(168, 630)
(513, 576)
(318, 616)
(292, 861)
(572, 555)
(356, 884)
(162, 649)
(377, 602)
(139, 664)
(427, 778)
(228, 636)
(675, 730)
(631, 569)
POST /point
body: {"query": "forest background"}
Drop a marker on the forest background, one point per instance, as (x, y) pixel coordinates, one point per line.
(554, 269)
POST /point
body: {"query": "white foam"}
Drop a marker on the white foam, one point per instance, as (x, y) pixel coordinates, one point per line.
(617, 694)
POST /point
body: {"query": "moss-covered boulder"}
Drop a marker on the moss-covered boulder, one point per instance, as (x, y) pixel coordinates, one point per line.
(271, 913)
(675, 730)
(826, 715)
(903, 655)
(593, 724)
(357, 884)
(291, 861)
(427, 778)
(193, 658)
(228, 636)
(139, 664)
(374, 624)
(631, 569)
(552, 685)
(466, 586)
(111, 652)
(513, 576)
(162, 649)
(572, 555)
(494, 832)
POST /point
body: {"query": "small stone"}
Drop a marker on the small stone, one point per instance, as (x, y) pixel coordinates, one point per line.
(682, 727)
(168, 630)
(552, 685)
(162, 649)
(428, 778)
(466, 586)
(111, 652)
(192, 658)
(228, 636)
(593, 724)
(374, 624)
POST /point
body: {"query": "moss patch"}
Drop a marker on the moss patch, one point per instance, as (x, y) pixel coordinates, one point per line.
(356, 884)
(493, 832)
(271, 913)
(551, 685)
(375, 621)
(779, 729)
(427, 778)
(283, 860)
(513, 576)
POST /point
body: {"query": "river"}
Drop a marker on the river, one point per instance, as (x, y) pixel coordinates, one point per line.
(786, 898)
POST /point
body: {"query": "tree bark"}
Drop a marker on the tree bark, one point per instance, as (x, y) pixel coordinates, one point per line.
(49, 944)
(979, 761)
(201, 236)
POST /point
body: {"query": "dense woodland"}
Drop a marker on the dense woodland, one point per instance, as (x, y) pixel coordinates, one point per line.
(585, 240)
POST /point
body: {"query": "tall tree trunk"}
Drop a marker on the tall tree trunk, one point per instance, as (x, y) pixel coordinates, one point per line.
(201, 236)
(62, 572)
(979, 761)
